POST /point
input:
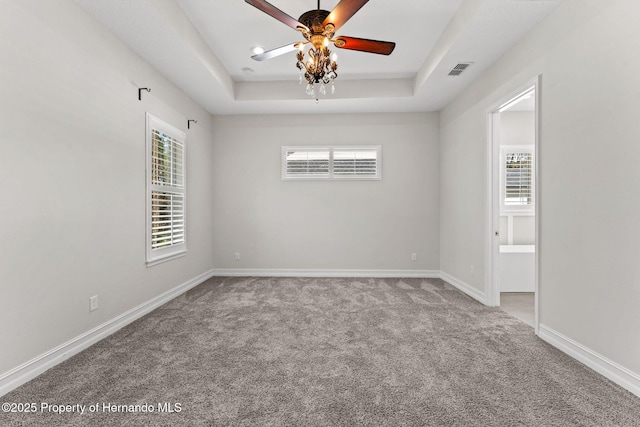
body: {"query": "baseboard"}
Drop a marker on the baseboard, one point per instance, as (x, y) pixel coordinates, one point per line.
(264, 272)
(464, 287)
(31, 369)
(422, 274)
(605, 367)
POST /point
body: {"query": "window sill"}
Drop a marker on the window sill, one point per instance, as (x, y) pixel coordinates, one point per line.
(156, 261)
(518, 213)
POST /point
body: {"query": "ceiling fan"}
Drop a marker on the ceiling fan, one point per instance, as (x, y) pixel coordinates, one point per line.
(318, 27)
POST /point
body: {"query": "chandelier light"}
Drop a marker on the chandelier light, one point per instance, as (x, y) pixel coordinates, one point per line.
(320, 68)
(319, 65)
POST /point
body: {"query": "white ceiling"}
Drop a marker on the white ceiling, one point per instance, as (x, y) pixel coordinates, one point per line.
(204, 47)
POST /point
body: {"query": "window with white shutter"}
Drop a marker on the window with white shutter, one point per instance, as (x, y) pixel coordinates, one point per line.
(517, 178)
(166, 232)
(356, 162)
(337, 162)
(305, 162)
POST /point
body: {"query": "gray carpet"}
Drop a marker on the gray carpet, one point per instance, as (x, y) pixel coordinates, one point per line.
(344, 352)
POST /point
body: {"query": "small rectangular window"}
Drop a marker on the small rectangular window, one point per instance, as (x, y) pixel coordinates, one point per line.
(166, 236)
(353, 162)
(306, 162)
(517, 178)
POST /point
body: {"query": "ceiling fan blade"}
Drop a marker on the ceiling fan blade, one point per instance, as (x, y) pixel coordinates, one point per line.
(271, 10)
(343, 12)
(365, 45)
(275, 52)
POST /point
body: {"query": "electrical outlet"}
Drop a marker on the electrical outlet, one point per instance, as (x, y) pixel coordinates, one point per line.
(414, 256)
(237, 256)
(93, 303)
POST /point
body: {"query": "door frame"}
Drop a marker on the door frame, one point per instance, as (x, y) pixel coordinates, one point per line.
(492, 214)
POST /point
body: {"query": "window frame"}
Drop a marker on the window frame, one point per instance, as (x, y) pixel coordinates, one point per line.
(522, 209)
(158, 255)
(331, 175)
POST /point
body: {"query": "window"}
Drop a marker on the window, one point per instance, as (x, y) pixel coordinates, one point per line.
(517, 178)
(306, 162)
(355, 162)
(166, 236)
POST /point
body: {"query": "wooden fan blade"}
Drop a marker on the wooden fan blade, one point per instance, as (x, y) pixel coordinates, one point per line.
(343, 12)
(271, 10)
(275, 52)
(365, 45)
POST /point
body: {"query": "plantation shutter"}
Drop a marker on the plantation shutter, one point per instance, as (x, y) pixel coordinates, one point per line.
(517, 178)
(306, 162)
(166, 191)
(354, 162)
(358, 162)
(167, 219)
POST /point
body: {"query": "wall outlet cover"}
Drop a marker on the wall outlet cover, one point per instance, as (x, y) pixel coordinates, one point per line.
(93, 303)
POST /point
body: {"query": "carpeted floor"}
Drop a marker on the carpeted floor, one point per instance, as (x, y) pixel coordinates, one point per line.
(344, 352)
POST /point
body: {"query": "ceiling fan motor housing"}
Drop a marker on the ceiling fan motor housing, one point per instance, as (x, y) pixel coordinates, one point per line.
(313, 20)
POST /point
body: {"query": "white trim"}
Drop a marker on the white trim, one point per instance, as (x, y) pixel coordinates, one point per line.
(36, 366)
(525, 95)
(517, 249)
(605, 367)
(420, 274)
(266, 272)
(518, 214)
(464, 287)
(492, 222)
(492, 210)
(537, 82)
(22, 374)
(175, 250)
(166, 258)
(331, 175)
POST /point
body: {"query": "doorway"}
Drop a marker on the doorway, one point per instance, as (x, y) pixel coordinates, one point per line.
(513, 242)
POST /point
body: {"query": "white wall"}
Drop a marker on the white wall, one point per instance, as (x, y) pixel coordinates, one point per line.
(518, 128)
(589, 275)
(73, 187)
(73, 180)
(326, 225)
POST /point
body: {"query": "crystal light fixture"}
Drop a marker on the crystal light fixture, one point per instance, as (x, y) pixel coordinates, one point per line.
(319, 68)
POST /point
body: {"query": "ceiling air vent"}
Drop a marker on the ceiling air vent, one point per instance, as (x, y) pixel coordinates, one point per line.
(458, 69)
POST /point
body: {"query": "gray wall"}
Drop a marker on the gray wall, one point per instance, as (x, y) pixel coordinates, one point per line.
(589, 275)
(73, 191)
(73, 187)
(326, 225)
(518, 128)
